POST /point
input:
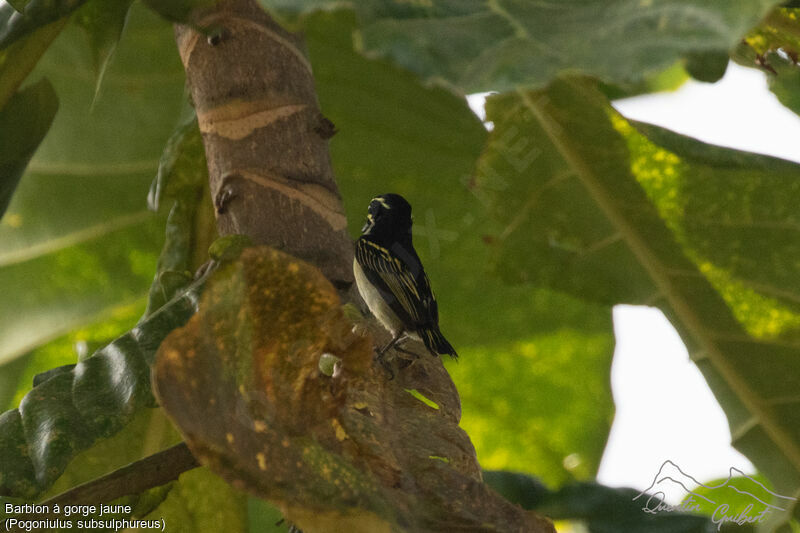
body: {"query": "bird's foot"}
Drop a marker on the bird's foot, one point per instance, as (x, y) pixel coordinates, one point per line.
(400, 349)
(380, 358)
(405, 362)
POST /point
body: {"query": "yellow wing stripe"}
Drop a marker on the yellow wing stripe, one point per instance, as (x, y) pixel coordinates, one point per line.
(398, 278)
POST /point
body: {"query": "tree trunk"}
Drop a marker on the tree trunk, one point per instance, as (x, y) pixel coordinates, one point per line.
(265, 138)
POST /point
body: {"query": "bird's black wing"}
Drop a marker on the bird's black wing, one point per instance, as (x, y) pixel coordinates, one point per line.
(406, 289)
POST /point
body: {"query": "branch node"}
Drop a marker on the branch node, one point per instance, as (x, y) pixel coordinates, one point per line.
(217, 35)
(226, 193)
(325, 128)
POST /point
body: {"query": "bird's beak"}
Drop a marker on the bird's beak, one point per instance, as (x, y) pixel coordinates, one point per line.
(368, 224)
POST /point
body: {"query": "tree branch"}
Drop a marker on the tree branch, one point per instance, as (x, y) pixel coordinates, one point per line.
(152, 471)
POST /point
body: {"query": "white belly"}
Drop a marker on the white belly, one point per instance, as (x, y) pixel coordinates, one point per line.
(377, 305)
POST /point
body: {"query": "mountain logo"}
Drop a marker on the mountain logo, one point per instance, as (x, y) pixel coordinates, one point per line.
(753, 499)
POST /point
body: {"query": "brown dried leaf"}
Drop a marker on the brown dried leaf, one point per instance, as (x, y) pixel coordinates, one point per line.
(352, 452)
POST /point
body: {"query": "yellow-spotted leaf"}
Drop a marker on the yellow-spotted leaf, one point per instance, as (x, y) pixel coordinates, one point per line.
(348, 452)
(620, 212)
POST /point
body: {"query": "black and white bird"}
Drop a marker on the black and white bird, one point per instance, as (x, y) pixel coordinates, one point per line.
(391, 279)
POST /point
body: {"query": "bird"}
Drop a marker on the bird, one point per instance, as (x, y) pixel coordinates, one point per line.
(391, 280)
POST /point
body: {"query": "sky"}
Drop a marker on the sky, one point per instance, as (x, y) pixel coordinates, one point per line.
(653, 423)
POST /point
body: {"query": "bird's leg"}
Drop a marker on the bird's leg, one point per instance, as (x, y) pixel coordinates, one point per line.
(400, 349)
(391, 343)
(405, 362)
(382, 351)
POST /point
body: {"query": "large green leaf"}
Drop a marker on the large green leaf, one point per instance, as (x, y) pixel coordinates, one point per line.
(474, 45)
(24, 121)
(618, 212)
(70, 411)
(103, 21)
(77, 240)
(18, 375)
(730, 495)
(15, 25)
(201, 502)
(397, 136)
(178, 10)
(17, 61)
(602, 509)
(106, 392)
(182, 180)
(104, 18)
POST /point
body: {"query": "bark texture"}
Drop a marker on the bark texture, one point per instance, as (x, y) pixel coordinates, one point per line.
(265, 138)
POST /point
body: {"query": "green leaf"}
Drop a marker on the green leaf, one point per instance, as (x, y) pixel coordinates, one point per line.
(524, 490)
(182, 170)
(736, 493)
(608, 510)
(179, 11)
(31, 32)
(779, 30)
(602, 509)
(15, 25)
(707, 66)
(620, 212)
(786, 84)
(498, 45)
(183, 180)
(19, 5)
(201, 502)
(263, 517)
(774, 46)
(78, 224)
(24, 121)
(67, 350)
(399, 136)
(103, 22)
(17, 61)
(10, 378)
(69, 412)
(666, 80)
(147, 433)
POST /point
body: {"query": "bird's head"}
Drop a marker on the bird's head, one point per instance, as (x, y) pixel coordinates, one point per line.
(389, 214)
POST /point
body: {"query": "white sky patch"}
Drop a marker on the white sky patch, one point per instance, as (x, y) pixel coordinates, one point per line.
(737, 112)
(476, 102)
(665, 410)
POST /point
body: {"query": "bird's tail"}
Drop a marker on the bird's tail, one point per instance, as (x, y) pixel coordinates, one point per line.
(436, 343)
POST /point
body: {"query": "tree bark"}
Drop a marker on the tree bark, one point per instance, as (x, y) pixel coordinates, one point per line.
(265, 138)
